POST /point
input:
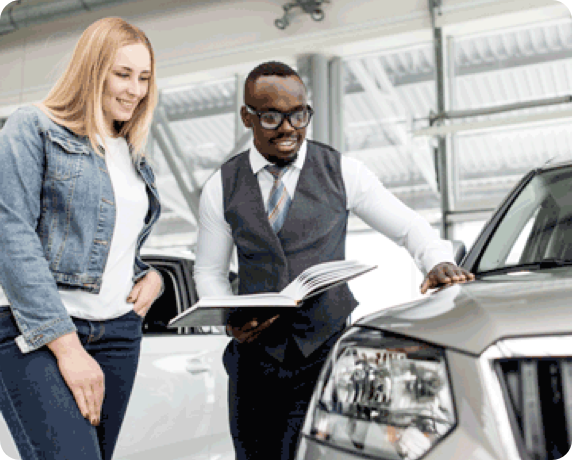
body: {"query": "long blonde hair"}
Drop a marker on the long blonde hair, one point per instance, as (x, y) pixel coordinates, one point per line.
(75, 101)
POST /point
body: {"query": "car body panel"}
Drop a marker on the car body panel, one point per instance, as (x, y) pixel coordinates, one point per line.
(470, 317)
(178, 399)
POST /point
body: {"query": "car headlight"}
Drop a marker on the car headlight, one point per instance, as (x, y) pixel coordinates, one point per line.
(383, 396)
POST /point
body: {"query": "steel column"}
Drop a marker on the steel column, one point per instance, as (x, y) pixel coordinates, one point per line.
(337, 104)
(320, 98)
(441, 160)
(238, 102)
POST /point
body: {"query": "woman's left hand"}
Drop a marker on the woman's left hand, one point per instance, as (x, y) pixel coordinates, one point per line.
(145, 292)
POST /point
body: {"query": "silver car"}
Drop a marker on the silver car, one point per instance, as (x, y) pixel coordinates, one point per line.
(178, 409)
(478, 371)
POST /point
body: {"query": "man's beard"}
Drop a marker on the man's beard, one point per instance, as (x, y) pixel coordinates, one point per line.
(282, 162)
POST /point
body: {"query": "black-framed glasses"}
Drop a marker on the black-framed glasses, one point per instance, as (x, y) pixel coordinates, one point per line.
(272, 119)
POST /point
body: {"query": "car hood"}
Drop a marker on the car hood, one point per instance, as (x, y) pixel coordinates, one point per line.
(470, 317)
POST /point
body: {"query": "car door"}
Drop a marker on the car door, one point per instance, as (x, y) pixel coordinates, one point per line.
(178, 409)
(8, 450)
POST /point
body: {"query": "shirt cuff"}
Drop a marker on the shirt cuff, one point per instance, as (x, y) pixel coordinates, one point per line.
(437, 255)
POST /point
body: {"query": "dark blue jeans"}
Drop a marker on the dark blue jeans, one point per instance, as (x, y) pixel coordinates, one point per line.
(268, 399)
(38, 406)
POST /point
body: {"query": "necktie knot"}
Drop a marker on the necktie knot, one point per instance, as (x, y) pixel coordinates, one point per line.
(276, 171)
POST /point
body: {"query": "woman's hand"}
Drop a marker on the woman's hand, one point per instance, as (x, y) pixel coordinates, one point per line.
(82, 374)
(145, 292)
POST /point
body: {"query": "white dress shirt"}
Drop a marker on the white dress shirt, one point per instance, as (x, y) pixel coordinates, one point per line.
(366, 197)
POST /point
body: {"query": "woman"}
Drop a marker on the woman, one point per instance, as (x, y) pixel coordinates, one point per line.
(77, 202)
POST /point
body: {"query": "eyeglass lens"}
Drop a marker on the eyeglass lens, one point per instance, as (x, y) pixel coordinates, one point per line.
(299, 119)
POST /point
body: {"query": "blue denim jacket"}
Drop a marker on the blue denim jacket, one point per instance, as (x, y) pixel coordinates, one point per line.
(57, 215)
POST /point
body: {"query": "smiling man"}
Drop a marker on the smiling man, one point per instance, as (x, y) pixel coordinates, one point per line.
(284, 204)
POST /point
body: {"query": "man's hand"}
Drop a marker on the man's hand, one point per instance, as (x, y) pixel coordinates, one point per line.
(145, 292)
(248, 332)
(444, 274)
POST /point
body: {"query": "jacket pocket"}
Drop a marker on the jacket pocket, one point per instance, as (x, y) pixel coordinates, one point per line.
(64, 156)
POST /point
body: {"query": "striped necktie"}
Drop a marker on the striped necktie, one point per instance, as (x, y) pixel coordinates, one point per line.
(279, 200)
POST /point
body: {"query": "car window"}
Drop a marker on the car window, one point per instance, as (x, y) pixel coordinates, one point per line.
(537, 226)
(518, 247)
(176, 277)
(167, 306)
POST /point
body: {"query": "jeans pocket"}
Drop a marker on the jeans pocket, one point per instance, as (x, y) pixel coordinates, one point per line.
(137, 315)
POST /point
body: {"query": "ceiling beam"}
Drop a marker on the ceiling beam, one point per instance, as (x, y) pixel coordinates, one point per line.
(473, 69)
(174, 114)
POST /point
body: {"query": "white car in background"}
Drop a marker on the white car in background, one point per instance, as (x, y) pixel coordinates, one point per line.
(178, 409)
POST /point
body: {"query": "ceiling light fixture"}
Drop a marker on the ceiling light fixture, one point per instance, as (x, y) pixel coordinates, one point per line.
(311, 7)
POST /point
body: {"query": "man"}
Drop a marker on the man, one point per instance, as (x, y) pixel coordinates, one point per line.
(284, 203)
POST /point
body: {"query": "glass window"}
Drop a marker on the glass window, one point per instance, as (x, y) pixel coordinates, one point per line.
(202, 120)
(489, 164)
(512, 65)
(499, 68)
(537, 227)
(386, 96)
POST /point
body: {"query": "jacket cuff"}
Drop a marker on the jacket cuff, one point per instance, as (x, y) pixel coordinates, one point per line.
(32, 340)
(162, 283)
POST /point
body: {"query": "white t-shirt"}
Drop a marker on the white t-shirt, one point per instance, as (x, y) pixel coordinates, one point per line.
(131, 206)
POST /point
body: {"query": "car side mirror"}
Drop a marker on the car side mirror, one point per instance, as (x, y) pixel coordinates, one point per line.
(459, 251)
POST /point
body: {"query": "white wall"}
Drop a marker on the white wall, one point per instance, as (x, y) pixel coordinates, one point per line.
(196, 40)
(395, 281)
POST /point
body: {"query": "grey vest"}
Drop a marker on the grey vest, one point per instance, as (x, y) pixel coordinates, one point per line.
(314, 232)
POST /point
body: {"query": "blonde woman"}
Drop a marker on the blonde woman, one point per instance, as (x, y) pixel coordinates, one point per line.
(78, 199)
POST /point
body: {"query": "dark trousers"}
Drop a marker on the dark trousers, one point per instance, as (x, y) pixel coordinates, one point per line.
(268, 399)
(38, 407)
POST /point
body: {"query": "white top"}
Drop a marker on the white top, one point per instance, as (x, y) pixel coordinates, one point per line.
(366, 197)
(131, 206)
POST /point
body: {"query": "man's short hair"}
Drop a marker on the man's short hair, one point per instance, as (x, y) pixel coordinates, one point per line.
(270, 68)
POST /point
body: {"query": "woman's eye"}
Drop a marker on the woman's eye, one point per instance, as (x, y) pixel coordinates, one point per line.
(122, 75)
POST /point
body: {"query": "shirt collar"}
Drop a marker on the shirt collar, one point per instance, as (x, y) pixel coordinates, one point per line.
(258, 162)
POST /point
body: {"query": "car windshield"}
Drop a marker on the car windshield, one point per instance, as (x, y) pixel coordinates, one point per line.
(536, 231)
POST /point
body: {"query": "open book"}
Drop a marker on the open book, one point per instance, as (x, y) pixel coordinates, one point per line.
(209, 311)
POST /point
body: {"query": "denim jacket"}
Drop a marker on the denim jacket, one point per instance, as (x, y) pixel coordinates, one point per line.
(57, 214)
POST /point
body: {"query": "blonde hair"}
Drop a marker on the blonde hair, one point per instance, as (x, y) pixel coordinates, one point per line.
(75, 101)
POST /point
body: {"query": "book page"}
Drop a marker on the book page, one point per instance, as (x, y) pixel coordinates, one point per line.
(315, 278)
(248, 300)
